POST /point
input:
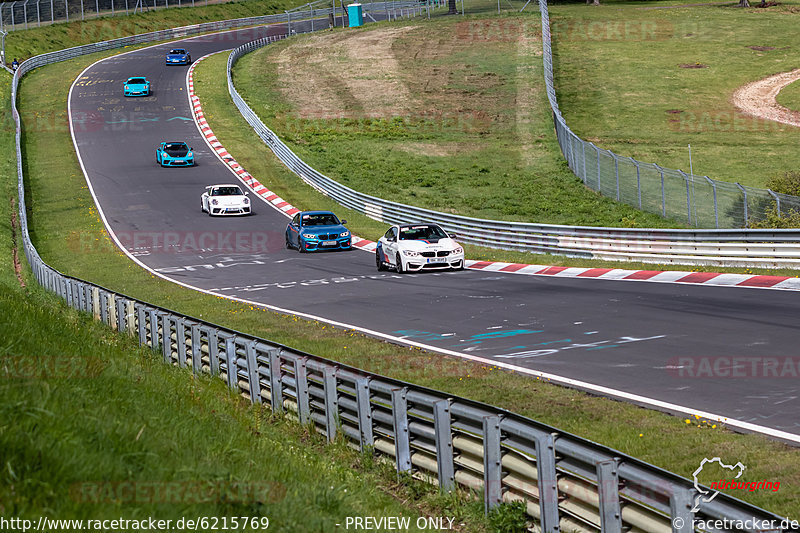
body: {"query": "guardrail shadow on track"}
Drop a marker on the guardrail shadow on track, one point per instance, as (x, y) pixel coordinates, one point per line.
(567, 483)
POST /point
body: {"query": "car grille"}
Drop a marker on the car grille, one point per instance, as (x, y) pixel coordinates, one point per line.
(444, 253)
(328, 237)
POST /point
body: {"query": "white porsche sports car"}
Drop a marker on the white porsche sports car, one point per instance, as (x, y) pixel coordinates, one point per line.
(225, 200)
(415, 247)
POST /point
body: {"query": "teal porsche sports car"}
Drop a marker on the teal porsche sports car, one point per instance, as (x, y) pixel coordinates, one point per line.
(136, 86)
(174, 154)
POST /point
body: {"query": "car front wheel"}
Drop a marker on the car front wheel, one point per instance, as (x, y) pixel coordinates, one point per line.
(399, 264)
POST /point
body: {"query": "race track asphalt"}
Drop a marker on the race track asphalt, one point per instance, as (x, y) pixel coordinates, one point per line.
(669, 342)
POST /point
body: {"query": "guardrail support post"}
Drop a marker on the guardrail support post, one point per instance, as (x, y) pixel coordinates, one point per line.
(716, 207)
(402, 445)
(232, 363)
(331, 401)
(141, 324)
(608, 490)
(301, 390)
(275, 383)
(166, 338)
(364, 414)
(103, 297)
(492, 465)
(121, 315)
(197, 351)
(252, 372)
(153, 329)
(213, 351)
(180, 341)
(680, 505)
(548, 483)
(130, 317)
(444, 445)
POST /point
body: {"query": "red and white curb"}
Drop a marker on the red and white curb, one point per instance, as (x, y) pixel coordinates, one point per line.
(252, 183)
(655, 276)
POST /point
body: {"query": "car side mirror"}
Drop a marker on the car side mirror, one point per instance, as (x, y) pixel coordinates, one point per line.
(343, 221)
(453, 236)
(191, 149)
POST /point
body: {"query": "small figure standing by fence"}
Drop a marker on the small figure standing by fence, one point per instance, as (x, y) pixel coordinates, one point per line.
(14, 64)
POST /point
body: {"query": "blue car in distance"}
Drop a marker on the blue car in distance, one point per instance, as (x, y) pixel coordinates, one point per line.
(178, 56)
(174, 154)
(313, 231)
(136, 86)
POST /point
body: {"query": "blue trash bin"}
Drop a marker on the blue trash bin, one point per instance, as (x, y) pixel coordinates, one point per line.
(355, 16)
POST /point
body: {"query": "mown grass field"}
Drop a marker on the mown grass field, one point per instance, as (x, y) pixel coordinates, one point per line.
(646, 82)
(790, 96)
(62, 208)
(448, 114)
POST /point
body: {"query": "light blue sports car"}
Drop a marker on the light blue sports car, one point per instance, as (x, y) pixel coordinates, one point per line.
(137, 86)
(178, 56)
(313, 231)
(174, 154)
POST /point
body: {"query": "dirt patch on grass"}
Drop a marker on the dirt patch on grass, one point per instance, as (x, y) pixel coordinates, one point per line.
(344, 75)
(759, 98)
(761, 48)
(693, 65)
(435, 149)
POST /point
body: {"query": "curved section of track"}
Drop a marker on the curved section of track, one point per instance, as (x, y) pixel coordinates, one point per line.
(651, 343)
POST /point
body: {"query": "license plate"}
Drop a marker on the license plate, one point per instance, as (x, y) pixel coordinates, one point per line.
(329, 243)
(437, 260)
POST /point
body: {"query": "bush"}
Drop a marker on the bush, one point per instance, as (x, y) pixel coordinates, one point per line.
(785, 183)
(509, 517)
(787, 219)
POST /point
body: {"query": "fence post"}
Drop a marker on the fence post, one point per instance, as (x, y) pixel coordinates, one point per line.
(744, 195)
(608, 491)
(688, 197)
(492, 464)
(301, 390)
(444, 445)
(714, 192)
(638, 181)
(331, 401)
(275, 388)
(547, 482)
(364, 407)
(616, 170)
(775, 196)
(663, 196)
(402, 446)
(252, 372)
(583, 144)
(596, 149)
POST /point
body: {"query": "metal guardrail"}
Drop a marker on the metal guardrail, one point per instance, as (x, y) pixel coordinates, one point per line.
(727, 247)
(566, 482)
(696, 200)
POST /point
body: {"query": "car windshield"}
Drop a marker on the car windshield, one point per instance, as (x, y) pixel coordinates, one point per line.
(177, 51)
(421, 233)
(226, 191)
(320, 219)
(176, 146)
(137, 81)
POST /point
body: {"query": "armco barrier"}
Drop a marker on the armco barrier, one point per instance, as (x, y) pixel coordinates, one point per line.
(726, 247)
(566, 482)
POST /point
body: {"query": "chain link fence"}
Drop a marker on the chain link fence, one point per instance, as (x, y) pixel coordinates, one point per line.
(698, 201)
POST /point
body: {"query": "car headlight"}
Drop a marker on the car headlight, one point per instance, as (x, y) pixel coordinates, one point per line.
(344, 234)
(410, 253)
(309, 236)
(189, 154)
(458, 250)
(126, 87)
(246, 201)
(214, 202)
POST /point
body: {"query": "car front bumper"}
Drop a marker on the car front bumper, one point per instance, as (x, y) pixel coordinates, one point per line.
(415, 264)
(230, 211)
(315, 245)
(177, 61)
(177, 162)
(137, 93)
